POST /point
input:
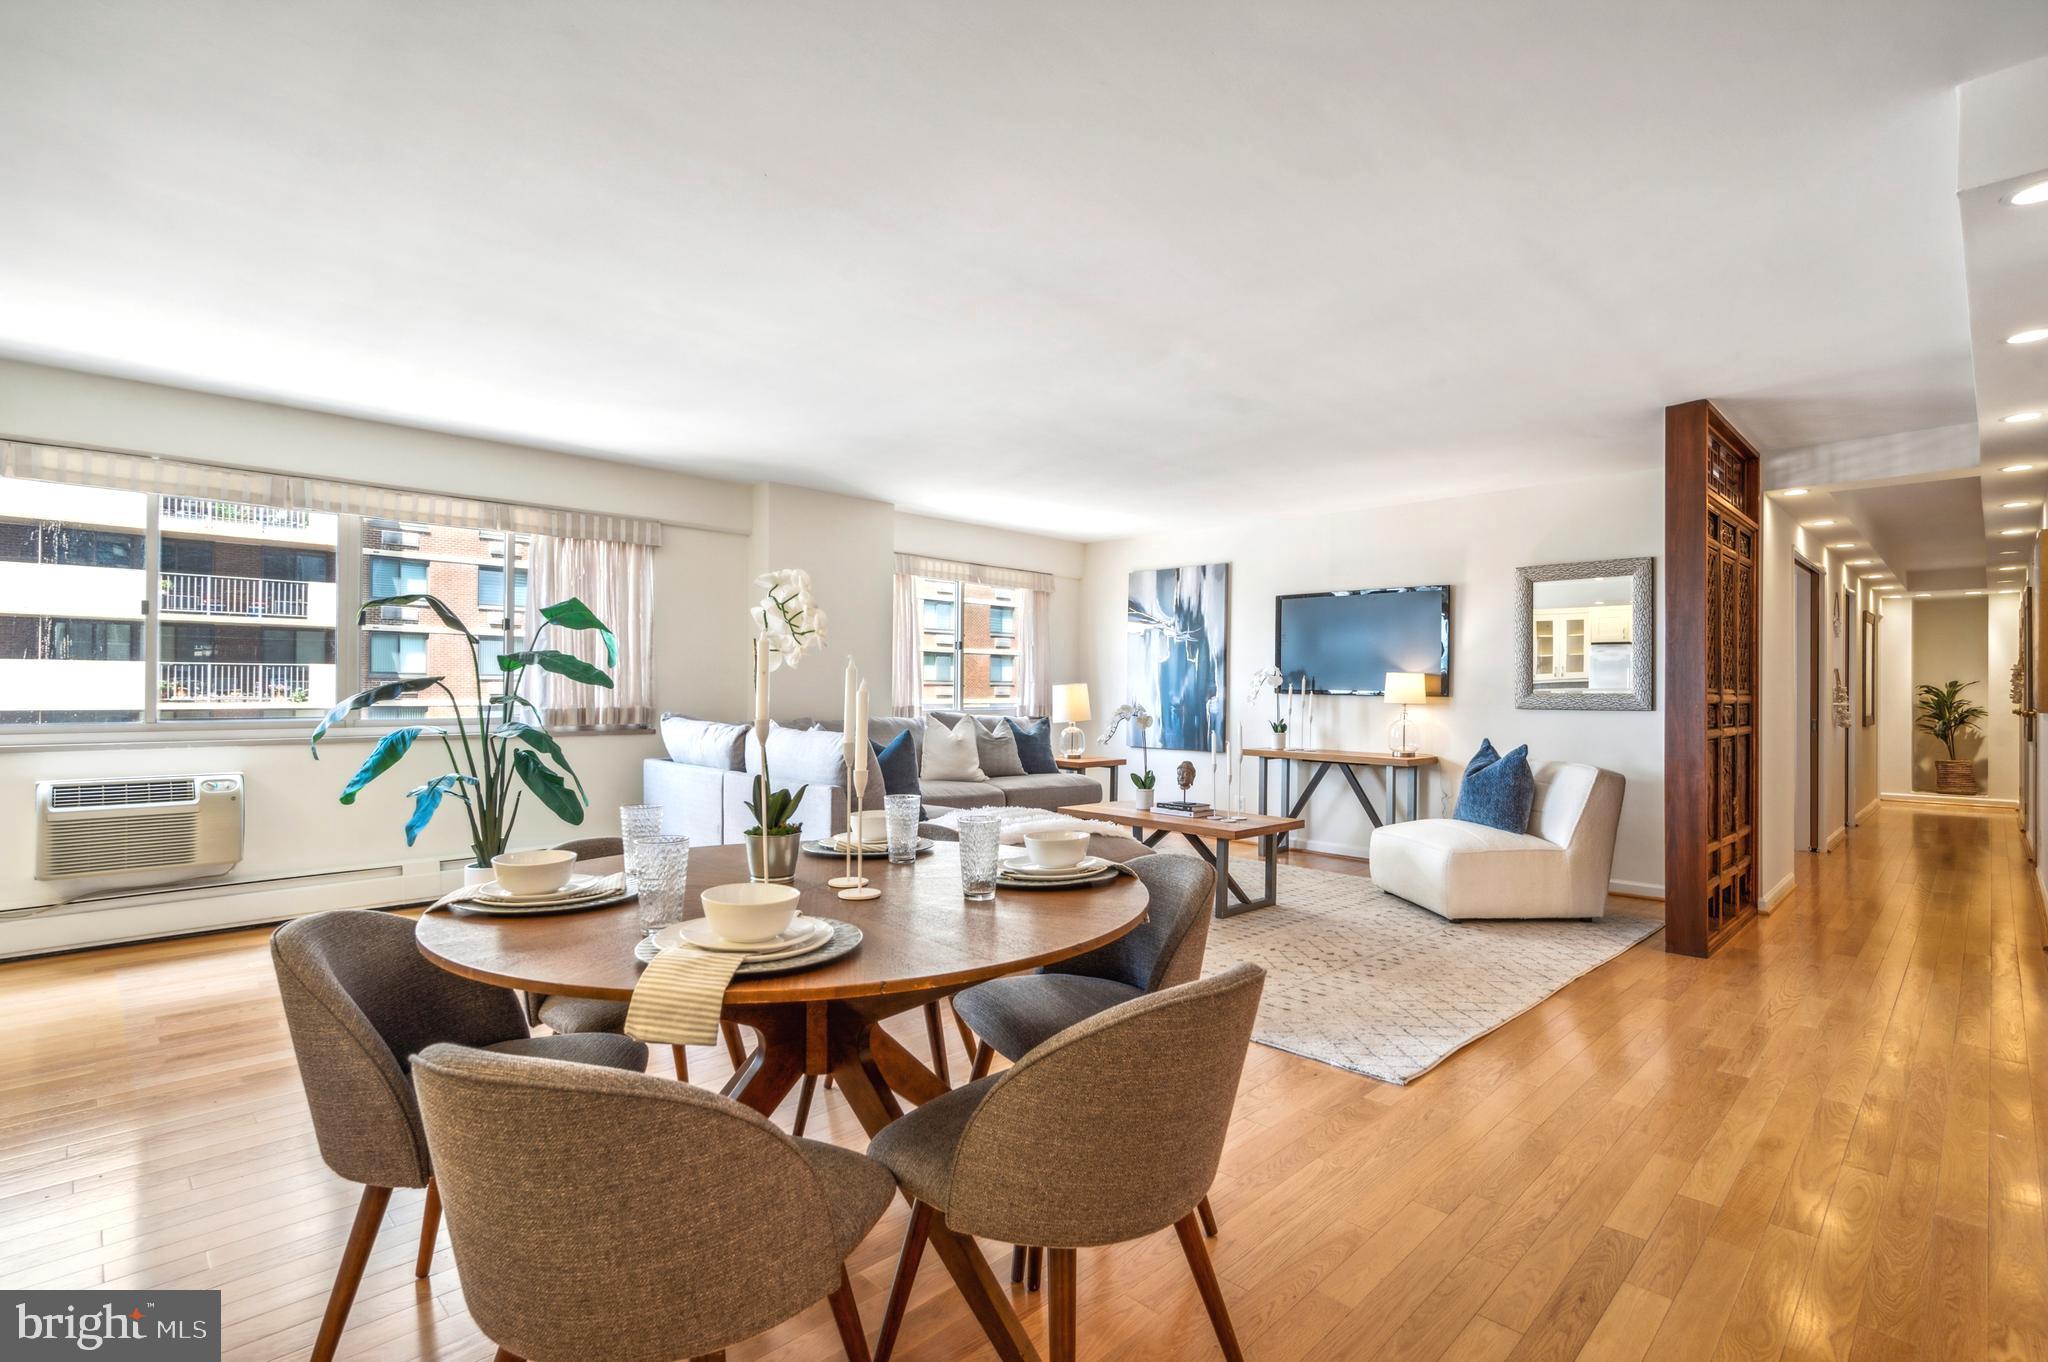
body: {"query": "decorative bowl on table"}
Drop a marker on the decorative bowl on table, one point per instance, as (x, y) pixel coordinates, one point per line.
(1055, 849)
(750, 912)
(526, 873)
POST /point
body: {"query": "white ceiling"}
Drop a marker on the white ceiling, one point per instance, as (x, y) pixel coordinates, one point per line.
(1076, 267)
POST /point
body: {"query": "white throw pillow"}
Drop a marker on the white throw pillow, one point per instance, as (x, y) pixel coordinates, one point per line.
(951, 753)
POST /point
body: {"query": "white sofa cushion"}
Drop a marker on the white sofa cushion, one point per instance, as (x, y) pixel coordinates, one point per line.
(704, 742)
(951, 753)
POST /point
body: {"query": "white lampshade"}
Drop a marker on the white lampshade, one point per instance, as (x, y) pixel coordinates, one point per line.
(1407, 688)
(1070, 703)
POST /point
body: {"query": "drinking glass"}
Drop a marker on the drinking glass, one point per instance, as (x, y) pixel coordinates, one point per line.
(980, 851)
(637, 821)
(664, 876)
(903, 811)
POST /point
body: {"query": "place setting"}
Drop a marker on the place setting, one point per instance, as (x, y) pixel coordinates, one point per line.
(1054, 859)
(532, 883)
(755, 925)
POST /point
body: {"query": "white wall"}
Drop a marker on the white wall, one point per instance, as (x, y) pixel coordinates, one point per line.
(1475, 544)
(1895, 695)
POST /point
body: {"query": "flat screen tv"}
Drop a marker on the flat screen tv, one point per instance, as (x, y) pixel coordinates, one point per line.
(1345, 642)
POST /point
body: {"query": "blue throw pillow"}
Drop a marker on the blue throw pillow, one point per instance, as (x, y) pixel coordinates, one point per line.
(1481, 759)
(898, 765)
(1498, 793)
(1034, 747)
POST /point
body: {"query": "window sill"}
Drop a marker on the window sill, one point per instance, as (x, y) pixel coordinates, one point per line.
(139, 739)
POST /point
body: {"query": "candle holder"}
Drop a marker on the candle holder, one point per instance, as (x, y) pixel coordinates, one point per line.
(855, 886)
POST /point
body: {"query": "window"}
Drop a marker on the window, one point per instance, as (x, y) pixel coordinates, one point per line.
(970, 645)
(120, 607)
(490, 588)
(398, 655)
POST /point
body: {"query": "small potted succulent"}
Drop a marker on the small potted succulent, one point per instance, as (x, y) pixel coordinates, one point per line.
(1142, 785)
(1140, 719)
(1269, 681)
(1947, 715)
(787, 624)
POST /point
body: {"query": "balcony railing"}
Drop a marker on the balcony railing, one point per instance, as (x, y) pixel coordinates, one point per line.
(193, 593)
(214, 682)
(234, 513)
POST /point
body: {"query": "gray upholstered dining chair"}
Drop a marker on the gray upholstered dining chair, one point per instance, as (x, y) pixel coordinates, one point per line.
(1109, 1131)
(360, 1001)
(1011, 1017)
(611, 1215)
(567, 1016)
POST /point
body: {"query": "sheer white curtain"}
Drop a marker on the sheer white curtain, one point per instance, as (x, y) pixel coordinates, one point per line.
(906, 675)
(1034, 676)
(616, 580)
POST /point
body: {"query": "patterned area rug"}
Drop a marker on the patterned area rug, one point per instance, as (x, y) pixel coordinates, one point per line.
(1364, 981)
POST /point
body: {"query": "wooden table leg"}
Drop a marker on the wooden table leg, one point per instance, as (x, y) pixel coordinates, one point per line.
(777, 1062)
(905, 1072)
(984, 1296)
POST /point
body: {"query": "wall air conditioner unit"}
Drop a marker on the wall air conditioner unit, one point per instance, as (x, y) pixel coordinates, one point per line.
(99, 836)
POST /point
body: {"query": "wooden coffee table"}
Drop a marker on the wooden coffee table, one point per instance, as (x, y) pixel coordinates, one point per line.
(1203, 834)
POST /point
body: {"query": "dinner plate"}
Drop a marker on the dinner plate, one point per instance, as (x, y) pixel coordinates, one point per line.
(1088, 865)
(1109, 872)
(833, 849)
(577, 887)
(488, 908)
(688, 933)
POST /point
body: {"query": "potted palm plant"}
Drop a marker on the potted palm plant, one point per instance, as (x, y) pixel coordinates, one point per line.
(1944, 712)
(510, 743)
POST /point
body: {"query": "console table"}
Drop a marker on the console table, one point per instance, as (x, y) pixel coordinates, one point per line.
(1211, 838)
(1108, 764)
(1321, 759)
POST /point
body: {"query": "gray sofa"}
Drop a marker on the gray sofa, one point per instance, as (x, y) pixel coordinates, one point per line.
(704, 782)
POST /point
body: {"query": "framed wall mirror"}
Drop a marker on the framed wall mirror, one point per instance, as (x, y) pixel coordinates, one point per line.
(1586, 635)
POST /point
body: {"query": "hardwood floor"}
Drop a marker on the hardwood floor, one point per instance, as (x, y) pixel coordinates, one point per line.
(1823, 1143)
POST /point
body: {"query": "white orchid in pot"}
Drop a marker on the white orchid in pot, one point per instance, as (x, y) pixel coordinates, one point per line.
(786, 625)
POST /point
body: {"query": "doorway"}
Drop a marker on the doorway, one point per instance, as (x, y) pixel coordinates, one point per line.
(1806, 633)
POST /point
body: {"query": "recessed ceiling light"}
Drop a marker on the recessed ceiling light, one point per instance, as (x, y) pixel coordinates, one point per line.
(1818, 524)
(2010, 591)
(1973, 593)
(2021, 418)
(1861, 562)
(2031, 336)
(1850, 544)
(2034, 193)
(2014, 505)
(2012, 567)
(2017, 468)
(1794, 492)
(2012, 533)
(1922, 593)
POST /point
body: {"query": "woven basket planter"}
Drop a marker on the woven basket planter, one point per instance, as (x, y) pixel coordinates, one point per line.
(1955, 777)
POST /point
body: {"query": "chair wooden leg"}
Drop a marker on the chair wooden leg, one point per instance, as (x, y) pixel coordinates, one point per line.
(1190, 1232)
(935, 1033)
(430, 1225)
(1033, 1258)
(1017, 1265)
(906, 1274)
(1208, 1217)
(718, 1356)
(349, 1276)
(735, 1049)
(803, 1103)
(1061, 1306)
(968, 1039)
(682, 1059)
(983, 1057)
(846, 1315)
(507, 1355)
(984, 1295)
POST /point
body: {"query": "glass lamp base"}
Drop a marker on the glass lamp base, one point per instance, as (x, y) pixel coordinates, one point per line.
(1073, 742)
(1401, 736)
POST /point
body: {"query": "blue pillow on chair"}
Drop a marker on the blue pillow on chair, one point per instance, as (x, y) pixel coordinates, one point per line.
(1498, 791)
(1034, 747)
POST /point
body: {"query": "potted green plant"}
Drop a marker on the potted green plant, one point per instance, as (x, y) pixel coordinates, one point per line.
(1142, 785)
(1140, 719)
(787, 624)
(505, 747)
(1270, 681)
(1947, 715)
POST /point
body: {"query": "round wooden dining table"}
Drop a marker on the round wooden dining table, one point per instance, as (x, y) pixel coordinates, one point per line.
(921, 941)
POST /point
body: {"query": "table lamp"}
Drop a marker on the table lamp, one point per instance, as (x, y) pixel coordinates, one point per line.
(1070, 707)
(1404, 689)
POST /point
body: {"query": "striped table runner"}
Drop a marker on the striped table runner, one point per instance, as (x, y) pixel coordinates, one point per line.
(678, 998)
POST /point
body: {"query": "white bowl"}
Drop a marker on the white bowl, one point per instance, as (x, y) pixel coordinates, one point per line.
(1056, 849)
(534, 872)
(873, 826)
(750, 912)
